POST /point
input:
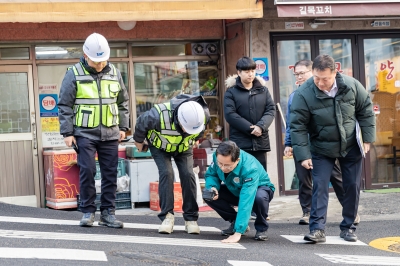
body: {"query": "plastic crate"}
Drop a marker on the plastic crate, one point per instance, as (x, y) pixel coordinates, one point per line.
(119, 196)
(121, 169)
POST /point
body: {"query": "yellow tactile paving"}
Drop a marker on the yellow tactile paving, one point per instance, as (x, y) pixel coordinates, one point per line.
(391, 244)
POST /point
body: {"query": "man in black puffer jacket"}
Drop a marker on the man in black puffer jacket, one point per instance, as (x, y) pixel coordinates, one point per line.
(325, 111)
(249, 110)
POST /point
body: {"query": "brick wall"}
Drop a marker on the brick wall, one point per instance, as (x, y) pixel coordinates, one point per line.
(154, 30)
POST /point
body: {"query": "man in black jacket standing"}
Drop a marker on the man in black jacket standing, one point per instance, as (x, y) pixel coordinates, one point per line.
(249, 110)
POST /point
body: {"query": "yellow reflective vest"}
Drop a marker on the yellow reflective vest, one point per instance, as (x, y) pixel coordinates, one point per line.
(169, 139)
(92, 102)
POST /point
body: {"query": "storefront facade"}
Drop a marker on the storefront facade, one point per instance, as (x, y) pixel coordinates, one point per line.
(366, 48)
(162, 48)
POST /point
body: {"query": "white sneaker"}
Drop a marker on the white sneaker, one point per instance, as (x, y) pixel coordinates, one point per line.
(167, 226)
(191, 227)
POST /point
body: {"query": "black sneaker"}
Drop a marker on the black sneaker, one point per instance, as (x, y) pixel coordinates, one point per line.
(261, 236)
(348, 235)
(107, 218)
(305, 219)
(231, 230)
(316, 236)
(253, 215)
(87, 219)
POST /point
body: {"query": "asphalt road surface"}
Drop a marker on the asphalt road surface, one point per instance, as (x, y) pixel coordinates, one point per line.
(34, 236)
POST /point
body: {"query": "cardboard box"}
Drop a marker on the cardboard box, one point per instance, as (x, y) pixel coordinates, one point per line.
(155, 201)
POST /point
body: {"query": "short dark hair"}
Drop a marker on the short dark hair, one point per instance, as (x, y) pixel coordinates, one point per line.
(323, 62)
(245, 63)
(305, 62)
(229, 147)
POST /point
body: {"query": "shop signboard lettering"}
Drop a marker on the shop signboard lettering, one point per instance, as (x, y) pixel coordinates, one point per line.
(262, 67)
(294, 25)
(315, 10)
(48, 105)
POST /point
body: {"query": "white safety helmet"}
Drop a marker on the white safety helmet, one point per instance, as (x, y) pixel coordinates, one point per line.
(96, 48)
(191, 117)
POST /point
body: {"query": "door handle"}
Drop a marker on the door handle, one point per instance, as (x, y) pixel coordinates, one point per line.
(34, 135)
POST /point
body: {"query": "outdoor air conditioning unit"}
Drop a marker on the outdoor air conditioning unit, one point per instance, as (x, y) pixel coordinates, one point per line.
(204, 48)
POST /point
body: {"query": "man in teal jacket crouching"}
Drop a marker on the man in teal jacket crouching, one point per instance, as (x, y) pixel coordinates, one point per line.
(246, 185)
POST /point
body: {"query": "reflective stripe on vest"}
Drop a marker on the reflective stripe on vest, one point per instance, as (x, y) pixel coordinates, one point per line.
(92, 103)
(169, 139)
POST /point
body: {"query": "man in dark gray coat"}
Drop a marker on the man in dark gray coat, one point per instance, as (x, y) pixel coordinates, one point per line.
(325, 112)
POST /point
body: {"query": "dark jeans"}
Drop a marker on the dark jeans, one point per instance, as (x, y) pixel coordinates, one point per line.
(184, 162)
(107, 152)
(226, 200)
(305, 184)
(351, 166)
(261, 156)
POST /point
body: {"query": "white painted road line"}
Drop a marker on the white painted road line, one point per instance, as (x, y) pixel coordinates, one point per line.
(248, 263)
(330, 240)
(52, 254)
(360, 260)
(30, 220)
(120, 239)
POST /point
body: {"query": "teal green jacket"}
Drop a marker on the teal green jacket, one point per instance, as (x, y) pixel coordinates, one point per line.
(243, 182)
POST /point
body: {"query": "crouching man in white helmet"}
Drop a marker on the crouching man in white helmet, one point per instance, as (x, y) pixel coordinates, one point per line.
(171, 130)
(93, 113)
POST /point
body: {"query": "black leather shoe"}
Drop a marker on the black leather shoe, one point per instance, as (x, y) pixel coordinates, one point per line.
(231, 230)
(348, 235)
(87, 219)
(107, 218)
(316, 236)
(261, 236)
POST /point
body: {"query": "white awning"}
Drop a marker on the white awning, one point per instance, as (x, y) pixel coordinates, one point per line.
(126, 10)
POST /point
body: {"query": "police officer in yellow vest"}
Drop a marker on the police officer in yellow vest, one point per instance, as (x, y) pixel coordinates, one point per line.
(172, 129)
(93, 113)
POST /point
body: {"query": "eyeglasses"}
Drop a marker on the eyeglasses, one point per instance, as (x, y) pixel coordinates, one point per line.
(226, 166)
(300, 73)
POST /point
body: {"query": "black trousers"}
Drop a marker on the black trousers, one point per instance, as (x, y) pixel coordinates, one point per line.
(351, 166)
(261, 156)
(184, 162)
(226, 200)
(305, 184)
(107, 152)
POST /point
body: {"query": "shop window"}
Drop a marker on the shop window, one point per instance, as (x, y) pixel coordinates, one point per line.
(158, 82)
(340, 50)
(289, 52)
(382, 76)
(14, 53)
(159, 50)
(75, 51)
(14, 111)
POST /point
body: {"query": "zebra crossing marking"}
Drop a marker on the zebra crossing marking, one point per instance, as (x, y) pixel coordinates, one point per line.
(247, 263)
(119, 239)
(30, 220)
(330, 240)
(360, 260)
(52, 254)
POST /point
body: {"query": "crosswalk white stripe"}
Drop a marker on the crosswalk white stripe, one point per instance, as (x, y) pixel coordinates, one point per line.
(247, 263)
(330, 240)
(52, 254)
(30, 220)
(120, 239)
(361, 260)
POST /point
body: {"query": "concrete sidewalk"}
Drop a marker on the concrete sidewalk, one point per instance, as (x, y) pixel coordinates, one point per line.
(373, 207)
